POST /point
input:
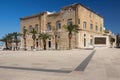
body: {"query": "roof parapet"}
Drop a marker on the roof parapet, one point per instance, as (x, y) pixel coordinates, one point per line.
(35, 15)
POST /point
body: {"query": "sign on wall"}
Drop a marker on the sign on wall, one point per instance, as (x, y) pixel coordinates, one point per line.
(100, 40)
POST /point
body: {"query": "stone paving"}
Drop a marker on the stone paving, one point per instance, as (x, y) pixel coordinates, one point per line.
(102, 64)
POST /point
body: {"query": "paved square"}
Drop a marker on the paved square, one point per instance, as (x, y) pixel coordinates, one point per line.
(104, 64)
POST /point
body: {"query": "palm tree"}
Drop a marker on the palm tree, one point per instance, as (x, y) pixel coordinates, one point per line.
(24, 37)
(7, 39)
(44, 37)
(71, 28)
(16, 40)
(4, 39)
(34, 32)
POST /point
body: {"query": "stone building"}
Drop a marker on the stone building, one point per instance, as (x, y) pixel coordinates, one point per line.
(90, 24)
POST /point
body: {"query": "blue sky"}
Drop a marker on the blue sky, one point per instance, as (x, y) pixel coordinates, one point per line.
(12, 10)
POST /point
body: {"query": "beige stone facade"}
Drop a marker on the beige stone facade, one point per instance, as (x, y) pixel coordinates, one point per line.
(90, 24)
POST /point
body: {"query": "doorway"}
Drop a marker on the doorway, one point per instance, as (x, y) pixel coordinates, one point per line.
(49, 44)
(84, 42)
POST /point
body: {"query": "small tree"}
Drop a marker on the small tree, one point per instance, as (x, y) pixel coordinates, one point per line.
(34, 32)
(16, 40)
(24, 37)
(71, 28)
(112, 40)
(4, 39)
(117, 40)
(44, 37)
(7, 39)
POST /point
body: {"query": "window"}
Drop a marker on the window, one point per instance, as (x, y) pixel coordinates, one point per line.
(91, 40)
(70, 9)
(30, 28)
(58, 25)
(91, 26)
(84, 42)
(100, 29)
(78, 21)
(49, 27)
(96, 28)
(24, 27)
(69, 22)
(84, 25)
(84, 35)
(36, 27)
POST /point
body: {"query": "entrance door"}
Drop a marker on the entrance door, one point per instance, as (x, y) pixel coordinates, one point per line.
(37, 43)
(49, 44)
(84, 42)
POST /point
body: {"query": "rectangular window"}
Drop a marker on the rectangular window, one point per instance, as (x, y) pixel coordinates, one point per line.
(100, 29)
(36, 27)
(49, 28)
(91, 26)
(84, 25)
(96, 28)
(58, 25)
(69, 22)
(30, 28)
(78, 21)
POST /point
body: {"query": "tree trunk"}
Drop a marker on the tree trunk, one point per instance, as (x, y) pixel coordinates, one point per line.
(33, 43)
(6, 44)
(33, 37)
(70, 37)
(16, 44)
(56, 43)
(44, 44)
(40, 45)
(25, 44)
